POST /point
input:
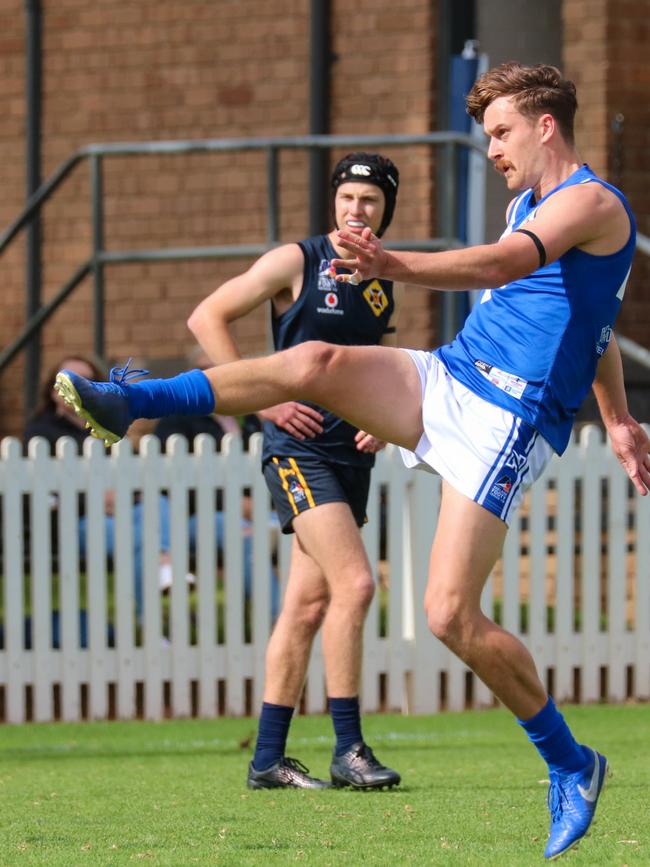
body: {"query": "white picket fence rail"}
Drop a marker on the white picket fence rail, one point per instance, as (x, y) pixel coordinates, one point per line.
(572, 583)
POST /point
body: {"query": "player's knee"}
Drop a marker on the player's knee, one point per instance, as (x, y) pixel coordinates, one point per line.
(445, 617)
(355, 595)
(310, 360)
(307, 616)
(365, 590)
(314, 613)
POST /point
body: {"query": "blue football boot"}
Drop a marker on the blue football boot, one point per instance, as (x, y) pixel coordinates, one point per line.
(103, 405)
(572, 800)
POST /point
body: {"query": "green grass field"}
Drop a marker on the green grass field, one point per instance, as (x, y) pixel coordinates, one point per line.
(174, 793)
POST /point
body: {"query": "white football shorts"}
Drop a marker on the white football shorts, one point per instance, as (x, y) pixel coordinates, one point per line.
(483, 451)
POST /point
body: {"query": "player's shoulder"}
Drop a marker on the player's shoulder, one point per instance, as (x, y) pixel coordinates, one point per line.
(285, 258)
(592, 192)
(592, 204)
(289, 251)
(590, 215)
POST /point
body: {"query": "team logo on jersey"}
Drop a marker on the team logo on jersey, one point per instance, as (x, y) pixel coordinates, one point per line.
(376, 297)
(326, 281)
(297, 491)
(517, 461)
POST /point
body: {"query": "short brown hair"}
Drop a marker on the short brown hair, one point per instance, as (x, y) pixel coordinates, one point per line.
(535, 90)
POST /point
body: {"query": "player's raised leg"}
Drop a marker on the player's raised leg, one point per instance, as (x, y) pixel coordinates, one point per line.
(375, 388)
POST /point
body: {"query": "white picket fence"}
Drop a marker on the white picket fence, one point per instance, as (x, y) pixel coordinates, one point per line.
(572, 583)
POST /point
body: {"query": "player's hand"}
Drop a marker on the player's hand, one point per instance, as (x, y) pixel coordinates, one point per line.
(302, 422)
(369, 256)
(366, 442)
(631, 446)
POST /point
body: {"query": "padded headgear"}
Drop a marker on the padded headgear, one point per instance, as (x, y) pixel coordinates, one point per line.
(369, 169)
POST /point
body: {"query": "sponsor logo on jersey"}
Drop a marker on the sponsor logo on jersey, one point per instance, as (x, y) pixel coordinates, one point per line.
(326, 281)
(376, 297)
(508, 382)
(332, 305)
(603, 342)
(501, 488)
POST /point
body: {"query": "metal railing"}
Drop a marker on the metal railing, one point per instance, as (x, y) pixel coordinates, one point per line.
(99, 258)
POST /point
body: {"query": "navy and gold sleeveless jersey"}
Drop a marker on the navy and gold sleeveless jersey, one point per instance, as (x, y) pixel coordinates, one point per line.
(337, 313)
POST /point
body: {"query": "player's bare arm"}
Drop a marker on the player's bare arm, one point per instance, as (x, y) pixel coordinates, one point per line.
(479, 267)
(629, 440)
(274, 274)
(277, 277)
(587, 216)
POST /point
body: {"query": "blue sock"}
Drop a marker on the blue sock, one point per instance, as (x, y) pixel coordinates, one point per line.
(188, 393)
(550, 734)
(272, 734)
(346, 718)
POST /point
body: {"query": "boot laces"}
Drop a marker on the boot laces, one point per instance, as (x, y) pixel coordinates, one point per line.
(556, 799)
(121, 375)
(296, 765)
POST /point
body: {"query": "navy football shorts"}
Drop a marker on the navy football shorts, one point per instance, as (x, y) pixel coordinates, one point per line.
(298, 484)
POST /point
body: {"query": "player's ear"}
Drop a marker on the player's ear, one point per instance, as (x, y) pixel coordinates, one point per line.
(547, 126)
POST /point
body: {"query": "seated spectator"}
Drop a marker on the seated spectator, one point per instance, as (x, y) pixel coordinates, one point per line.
(218, 426)
(52, 420)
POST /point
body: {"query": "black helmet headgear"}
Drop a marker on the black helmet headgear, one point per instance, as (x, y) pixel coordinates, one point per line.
(369, 169)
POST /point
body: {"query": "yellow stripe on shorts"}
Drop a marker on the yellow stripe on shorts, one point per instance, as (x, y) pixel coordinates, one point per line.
(285, 474)
(301, 479)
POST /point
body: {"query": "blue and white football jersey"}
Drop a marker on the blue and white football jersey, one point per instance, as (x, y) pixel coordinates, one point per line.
(532, 346)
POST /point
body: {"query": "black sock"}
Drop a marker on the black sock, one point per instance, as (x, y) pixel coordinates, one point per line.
(346, 718)
(272, 733)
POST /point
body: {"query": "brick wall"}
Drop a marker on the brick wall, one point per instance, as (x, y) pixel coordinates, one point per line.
(115, 70)
(606, 54)
(156, 69)
(390, 87)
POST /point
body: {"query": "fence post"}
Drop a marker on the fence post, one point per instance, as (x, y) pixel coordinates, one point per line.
(591, 452)
(14, 483)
